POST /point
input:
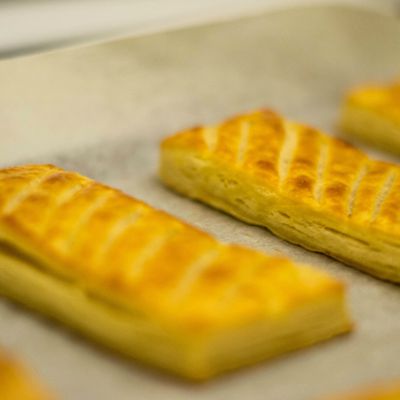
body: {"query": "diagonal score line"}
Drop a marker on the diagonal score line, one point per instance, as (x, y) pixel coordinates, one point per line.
(119, 228)
(193, 272)
(287, 151)
(62, 199)
(27, 189)
(321, 168)
(244, 134)
(382, 195)
(357, 183)
(151, 250)
(210, 137)
(85, 217)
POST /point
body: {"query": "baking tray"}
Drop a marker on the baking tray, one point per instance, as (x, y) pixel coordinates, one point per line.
(102, 110)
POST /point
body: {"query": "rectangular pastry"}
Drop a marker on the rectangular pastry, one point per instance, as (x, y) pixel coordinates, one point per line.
(372, 114)
(304, 186)
(150, 286)
(16, 383)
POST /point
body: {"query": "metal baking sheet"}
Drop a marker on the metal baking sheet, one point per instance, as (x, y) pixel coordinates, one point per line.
(102, 110)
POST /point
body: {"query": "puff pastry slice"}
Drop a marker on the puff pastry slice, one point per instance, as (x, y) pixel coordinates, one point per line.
(305, 186)
(150, 286)
(372, 114)
(16, 383)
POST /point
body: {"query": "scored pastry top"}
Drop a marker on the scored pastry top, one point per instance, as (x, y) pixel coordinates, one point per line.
(151, 262)
(304, 165)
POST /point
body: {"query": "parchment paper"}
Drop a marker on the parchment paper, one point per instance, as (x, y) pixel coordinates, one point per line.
(102, 110)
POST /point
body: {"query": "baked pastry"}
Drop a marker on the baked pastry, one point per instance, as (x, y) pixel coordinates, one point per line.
(306, 187)
(389, 391)
(372, 114)
(16, 383)
(150, 286)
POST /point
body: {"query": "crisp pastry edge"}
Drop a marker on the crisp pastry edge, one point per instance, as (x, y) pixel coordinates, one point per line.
(197, 360)
(201, 179)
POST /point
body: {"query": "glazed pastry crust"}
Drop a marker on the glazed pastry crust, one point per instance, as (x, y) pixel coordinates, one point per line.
(371, 113)
(307, 187)
(17, 384)
(149, 285)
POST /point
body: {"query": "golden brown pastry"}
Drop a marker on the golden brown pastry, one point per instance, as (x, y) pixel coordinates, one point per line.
(18, 384)
(304, 186)
(378, 392)
(372, 114)
(150, 286)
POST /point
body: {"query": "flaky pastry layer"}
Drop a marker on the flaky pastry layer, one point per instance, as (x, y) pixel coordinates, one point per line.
(149, 285)
(305, 186)
(372, 114)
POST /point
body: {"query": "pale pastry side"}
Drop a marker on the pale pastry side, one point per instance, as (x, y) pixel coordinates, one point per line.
(372, 114)
(16, 383)
(303, 185)
(150, 286)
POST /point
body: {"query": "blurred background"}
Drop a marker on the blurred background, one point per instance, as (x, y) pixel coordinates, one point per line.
(32, 25)
(102, 110)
